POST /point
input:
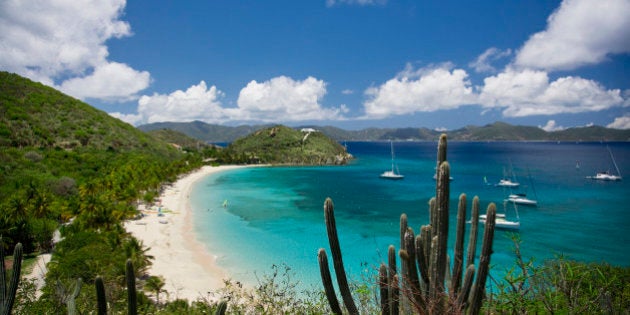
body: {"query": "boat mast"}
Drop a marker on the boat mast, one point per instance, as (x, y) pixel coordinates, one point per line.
(614, 162)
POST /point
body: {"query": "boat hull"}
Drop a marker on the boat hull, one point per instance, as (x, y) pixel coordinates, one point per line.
(391, 175)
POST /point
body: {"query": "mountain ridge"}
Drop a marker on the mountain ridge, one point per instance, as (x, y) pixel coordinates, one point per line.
(497, 131)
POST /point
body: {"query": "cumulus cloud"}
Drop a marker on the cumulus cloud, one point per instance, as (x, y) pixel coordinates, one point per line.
(622, 122)
(112, 80)
(422, 90)
(280, 99)
(528, 92)
(283, 98)
(51, 41)
(551, 126)
(579, 32)
(330, 3)
(483, 63)
(198, 102)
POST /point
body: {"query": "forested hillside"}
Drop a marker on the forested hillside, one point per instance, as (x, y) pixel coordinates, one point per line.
(66, 165)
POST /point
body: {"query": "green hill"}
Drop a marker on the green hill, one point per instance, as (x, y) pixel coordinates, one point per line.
(284, 145)
(35, 115)
(60, 158)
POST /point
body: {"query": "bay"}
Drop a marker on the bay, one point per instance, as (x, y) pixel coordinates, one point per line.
(274, 215)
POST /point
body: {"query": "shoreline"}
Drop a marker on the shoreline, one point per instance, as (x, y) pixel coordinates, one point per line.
(188, 269)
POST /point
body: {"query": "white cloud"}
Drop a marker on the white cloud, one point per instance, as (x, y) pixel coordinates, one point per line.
(423, 90)
(196, 103)
(284, 99)
(347, 92)
(551, 126)
(579, 32)
(483, 61)
(58, 40)
(132, 119)
(622, 122)
(280, 99)
(528, 92)
(330, 3)
(110, 81)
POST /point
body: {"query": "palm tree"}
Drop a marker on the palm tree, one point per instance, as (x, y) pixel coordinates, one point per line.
(155, 284)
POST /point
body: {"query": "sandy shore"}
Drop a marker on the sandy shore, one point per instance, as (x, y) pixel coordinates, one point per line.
(189, 271)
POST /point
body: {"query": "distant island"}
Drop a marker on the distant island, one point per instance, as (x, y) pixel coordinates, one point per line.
(498, 131)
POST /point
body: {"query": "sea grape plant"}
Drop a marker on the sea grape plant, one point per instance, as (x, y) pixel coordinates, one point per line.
(425, 283)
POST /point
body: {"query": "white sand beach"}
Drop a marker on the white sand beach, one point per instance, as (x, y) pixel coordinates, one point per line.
(189, 271)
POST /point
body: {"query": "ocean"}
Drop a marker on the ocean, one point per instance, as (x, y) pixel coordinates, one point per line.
(274, 215)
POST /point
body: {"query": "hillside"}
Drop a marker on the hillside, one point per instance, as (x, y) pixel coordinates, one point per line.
(497, 131)
(284, 145)
(35, 115)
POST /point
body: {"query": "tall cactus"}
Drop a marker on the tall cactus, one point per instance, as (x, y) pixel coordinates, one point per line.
(424, 261)
(101, 301)
(7, 294)
(132, 304)
(335, 250)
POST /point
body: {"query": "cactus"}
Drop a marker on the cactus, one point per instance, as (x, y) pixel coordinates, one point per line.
(335, 250)
(69, 299)
(392, 280)
(132, 304)
(7, 294)
(100, 296)
(327, 281)
(484, 260)
(383, 281)
(425, 266)
(221, 308)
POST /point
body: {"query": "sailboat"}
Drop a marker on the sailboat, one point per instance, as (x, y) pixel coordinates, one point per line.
(501, 222)
(508, 182)
(607, 176)
(521, 198)
(394, 173)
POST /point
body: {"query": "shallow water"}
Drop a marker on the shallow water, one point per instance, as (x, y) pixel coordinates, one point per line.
(275, 215)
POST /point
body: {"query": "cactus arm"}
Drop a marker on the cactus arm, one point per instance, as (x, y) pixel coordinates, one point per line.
(458, 257)
(100, 296)
(9, 297)
(132, 304)
(384, 289)
(468, 280)
(441, 228)
(71, 299)
(472, 238)
(422, 262)
(404, 223)
(412, 270)
(393, 280)
(484, 260)
(3, 281)
(324, 270)
(221, 308)
(335, 250)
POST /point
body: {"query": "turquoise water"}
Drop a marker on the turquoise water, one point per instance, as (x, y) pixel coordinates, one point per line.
(275, 214)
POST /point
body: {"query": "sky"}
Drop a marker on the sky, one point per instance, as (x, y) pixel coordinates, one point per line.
(352, 64)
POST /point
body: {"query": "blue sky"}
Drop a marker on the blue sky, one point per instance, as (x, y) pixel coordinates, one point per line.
(347, 63)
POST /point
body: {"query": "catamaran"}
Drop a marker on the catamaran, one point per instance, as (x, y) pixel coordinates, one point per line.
(394, 173)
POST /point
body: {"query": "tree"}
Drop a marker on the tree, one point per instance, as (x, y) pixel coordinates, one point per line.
(155, 284)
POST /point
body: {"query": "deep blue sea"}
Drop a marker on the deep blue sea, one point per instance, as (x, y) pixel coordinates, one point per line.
(275, 214)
